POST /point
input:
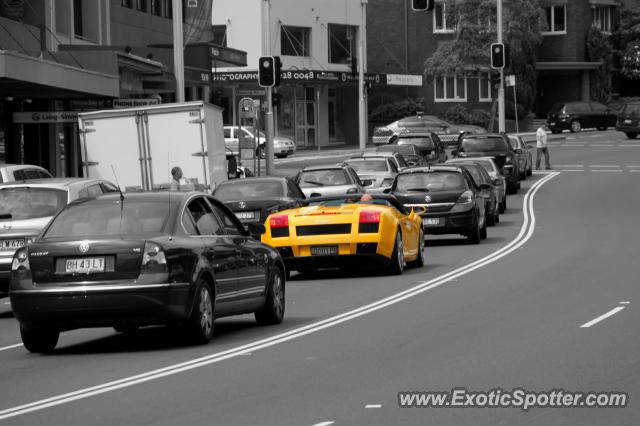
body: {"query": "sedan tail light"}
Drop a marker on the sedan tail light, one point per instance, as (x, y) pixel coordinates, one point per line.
(20, 264)
(369, 216)
(154, 264)
(281, 221)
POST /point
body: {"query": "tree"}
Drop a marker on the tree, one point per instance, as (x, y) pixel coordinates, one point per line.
(627, 42)
(600, 50)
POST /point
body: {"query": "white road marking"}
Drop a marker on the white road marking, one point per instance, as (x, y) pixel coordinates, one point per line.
(330, 422)
(624, 302)
(525, 233)
(602, 145)
(602, 317)
(606, 170)
(634, 145)
(6, 348)
(573, 170)
(602, 166)
(632, 166)
(634, 171)
(569, 165)
(373, 406)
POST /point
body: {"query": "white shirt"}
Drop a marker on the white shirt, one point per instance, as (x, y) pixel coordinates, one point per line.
(541, 138)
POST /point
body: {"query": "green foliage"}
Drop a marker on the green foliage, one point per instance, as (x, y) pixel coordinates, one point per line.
(630, 61)
(457, 114)
(479, 117)
(600, 50)
(393, 111)
(626, 40)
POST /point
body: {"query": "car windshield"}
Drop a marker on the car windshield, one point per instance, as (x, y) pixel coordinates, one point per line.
(139, 217)
(31, 203)
(402, 149)
(316, 178)
(631, 109)
(433, 181)
(369, 165)
(421, 121)
(248, 190)
(422, 141)
(483, 144)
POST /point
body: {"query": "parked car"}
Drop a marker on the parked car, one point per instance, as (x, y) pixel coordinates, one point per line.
(397, 158)
(498, 180)
(387, 134)
(525, 158)
(453, 202)
(19, 172)
(411, 154)
(575, 116)
(153, 258)
(427, 142)
(375, 173)
(282, 146)
(492, 145)
(339, 230)
(253, 199)
(489, 190)
(326, 180)
(26, 208)
(628, 120)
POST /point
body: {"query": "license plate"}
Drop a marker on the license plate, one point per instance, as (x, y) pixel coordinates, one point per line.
(85, 265)
(12, 244)
(432, 221)
(324, 250)
(627, 121)
(246, 215)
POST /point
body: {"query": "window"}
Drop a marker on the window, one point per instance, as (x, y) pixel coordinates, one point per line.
(601, 18)
(484, 87)
(556, 20)
(220, 35)
(450, 89)
(203, 217)
(77, 18)
(230, 225)
(440, 22)
(342, 43)
(156, 7)
(141, 5)
(168, 9)
(294, 41)
(126, 3)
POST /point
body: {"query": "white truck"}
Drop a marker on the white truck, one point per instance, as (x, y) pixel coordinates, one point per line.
(138, 147)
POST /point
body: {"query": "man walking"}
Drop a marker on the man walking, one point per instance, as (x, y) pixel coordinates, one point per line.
(541, 147)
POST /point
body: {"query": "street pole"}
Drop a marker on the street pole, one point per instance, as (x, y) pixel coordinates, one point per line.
(178, 50)
(362, 107)
(501, 124)
(268, 117)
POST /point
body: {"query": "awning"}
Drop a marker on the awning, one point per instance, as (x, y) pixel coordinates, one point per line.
(26, 76)
(566, 66)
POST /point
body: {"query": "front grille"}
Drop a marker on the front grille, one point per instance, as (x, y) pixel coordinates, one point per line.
(323, 229)
(368, 228)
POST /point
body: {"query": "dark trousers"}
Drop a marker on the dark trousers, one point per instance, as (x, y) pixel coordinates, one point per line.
(539, 152)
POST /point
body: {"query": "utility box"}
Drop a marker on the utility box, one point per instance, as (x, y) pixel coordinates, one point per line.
(143, 144)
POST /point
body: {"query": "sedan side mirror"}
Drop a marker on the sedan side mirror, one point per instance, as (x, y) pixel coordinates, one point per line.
(256, 228)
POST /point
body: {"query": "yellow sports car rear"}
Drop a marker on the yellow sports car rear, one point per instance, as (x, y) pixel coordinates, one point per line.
(335, 231)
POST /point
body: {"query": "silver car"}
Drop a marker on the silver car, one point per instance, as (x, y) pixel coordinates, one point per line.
(282, 146)
(26, 208)
(319, 181)
(375, 173)
(498, 178)
(20, 172)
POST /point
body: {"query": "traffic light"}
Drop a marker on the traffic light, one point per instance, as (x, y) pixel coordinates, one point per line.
(267, 71)
(278, 71)
(496, 81)
(498, 58)
(420, 5)
(354, 67)
(275, 100)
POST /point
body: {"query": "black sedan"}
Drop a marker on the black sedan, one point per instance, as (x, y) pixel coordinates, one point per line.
(454, 203)
(253, 199)
(412, 155)
(143, 259)
(488, 189)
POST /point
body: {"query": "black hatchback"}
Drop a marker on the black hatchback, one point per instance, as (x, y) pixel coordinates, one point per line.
(629, 119)
(575, 116)
(144, 259)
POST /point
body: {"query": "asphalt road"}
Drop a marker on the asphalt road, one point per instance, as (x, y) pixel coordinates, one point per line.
(504, 314)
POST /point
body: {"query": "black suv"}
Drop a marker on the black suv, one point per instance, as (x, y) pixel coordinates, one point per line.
(629, 119)
(492, 145)
(576, 116)
(426, 141)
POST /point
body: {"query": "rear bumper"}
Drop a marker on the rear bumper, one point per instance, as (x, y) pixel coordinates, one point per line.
(340, 261)
(454, 223)
(628, 128)
(559, 124)
(101, 305)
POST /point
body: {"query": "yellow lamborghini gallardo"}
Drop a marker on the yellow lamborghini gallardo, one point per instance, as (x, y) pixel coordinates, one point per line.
(331, 231)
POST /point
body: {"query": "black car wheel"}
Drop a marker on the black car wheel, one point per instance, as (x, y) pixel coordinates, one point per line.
(419, 262)
(201, 321)
(273, 310)
(631, 135)
(530, 170)
(39, 339)
(281, 155)
(483, 231)
(497, 216)
(397, 257)
(491, 218)
(576, 126)
(503, 205)
(474, 233)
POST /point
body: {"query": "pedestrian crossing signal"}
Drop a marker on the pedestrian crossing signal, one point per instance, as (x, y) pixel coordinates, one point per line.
(420, 5)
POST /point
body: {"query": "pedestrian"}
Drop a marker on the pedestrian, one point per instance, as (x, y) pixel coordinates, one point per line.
(176, 174)
(541, 147)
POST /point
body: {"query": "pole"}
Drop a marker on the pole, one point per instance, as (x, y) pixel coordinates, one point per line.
(501, 124)
(268, 117)
(178, 50)
(515, 106)
(362, 109)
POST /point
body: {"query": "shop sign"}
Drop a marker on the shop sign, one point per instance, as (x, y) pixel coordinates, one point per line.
(404, 80)
(46, 117)
(301, 76)
(134, 102)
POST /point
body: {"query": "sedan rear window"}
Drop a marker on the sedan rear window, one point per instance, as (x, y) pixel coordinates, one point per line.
(424, 142)
(402, 149)
(133, 217)
(249, 190)
(631, 109)
(434, 181)
(483, 144)
(31, 203)
(317, 178)
(369, 165)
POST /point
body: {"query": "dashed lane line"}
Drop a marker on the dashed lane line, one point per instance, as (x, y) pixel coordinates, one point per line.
(602, 317)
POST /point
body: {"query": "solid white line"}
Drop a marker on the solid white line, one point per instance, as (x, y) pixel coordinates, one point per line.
(604, 166)
(624, 302)
(573, 170)
(602, 317)
(526, 231)
(6, 348)
(569, 165)
(373, 406)
(634, 171)
(324, 423)
(632, 166)
(609, 170)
